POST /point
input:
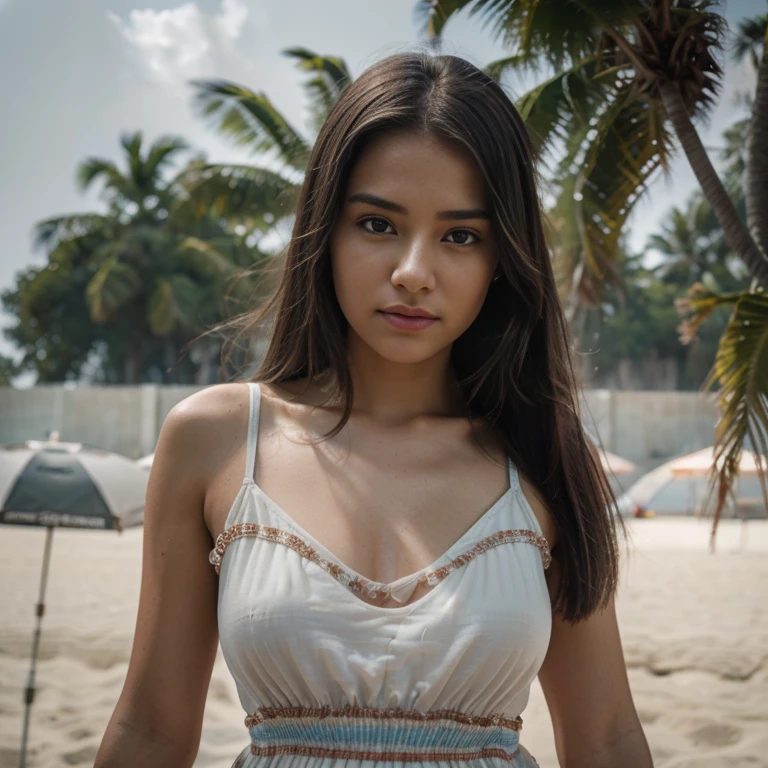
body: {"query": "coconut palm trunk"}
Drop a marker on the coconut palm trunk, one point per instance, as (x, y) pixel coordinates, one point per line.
(757, 170)
(734, 230)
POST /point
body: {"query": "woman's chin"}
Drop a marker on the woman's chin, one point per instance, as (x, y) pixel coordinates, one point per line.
(407, 352)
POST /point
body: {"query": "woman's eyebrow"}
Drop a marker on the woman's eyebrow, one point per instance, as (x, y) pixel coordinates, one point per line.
(380, 202)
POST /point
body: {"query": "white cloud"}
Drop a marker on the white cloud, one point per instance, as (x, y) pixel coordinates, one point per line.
(233, 17)
(183, 42)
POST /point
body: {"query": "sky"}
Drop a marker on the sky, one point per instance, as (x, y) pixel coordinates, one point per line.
(78, 74)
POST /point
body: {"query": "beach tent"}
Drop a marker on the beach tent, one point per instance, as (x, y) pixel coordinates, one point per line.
(145, 462)
(54, 484)
(611, 463)
(681, 487)
(616, 464)
(699, 464)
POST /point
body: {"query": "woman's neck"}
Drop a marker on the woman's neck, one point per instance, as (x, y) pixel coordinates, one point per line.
(393, 393)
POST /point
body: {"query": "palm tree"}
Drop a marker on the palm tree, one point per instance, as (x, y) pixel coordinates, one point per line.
(741, 364)
(624, 72)
(139, 272)
(693, 250)
(257, 196)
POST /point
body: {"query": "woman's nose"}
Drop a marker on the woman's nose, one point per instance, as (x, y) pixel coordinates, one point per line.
(415, 269)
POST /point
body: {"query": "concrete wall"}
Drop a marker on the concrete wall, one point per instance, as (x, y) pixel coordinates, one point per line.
(650, 426)
(645, 427)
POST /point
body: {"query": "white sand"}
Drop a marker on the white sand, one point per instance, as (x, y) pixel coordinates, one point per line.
(694, 628)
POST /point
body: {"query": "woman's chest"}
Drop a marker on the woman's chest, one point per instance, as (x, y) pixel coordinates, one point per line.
(384, 517)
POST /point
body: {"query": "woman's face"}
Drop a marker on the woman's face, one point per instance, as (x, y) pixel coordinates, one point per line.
(414, 230)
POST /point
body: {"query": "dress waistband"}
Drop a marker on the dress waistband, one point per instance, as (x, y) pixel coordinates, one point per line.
(357, 733)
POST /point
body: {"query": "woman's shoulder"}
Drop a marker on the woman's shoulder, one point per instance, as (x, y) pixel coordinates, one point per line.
(207, 425)
(213, 403)
(214, 418)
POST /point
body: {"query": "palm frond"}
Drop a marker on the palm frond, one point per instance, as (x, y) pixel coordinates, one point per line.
(95, 168)
(333, 67)
(161, 317)
(250, 119)
(604, 172)
(559, 31)
(750, 38)
(688, 240)
(159, 157)
(221, 258)
(50, 232)
(734, 155)
(113, 286)
(140, 242)
(330, 77)
(741, 371)
(694, 43)
(174, 300)
(552, 108)
(255, 197)
(656, 42)
(205, 256)
(131, 143)
(431, 16)
(497, 69)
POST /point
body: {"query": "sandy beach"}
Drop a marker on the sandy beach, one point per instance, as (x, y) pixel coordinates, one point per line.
(694, 629)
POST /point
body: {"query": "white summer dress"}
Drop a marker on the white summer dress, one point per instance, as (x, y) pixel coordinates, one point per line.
(327, 679)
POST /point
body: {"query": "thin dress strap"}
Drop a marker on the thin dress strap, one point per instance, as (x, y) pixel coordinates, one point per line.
(253, 431)
(514, 483)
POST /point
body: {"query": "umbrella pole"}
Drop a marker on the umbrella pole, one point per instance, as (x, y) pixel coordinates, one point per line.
(29, 693)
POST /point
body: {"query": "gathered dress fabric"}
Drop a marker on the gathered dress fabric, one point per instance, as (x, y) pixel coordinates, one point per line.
(327, 678)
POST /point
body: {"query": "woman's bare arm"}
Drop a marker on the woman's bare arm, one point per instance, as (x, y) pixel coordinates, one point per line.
(158, 718)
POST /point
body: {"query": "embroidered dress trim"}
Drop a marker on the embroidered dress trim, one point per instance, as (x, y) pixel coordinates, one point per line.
(359, 584)
(357, 733)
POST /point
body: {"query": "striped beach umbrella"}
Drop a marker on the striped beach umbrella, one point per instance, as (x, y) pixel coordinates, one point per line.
(54, 484)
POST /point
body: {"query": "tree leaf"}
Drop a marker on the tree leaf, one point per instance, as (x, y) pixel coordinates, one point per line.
(251, 120)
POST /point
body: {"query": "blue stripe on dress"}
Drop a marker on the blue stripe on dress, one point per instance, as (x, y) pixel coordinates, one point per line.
(341, 733)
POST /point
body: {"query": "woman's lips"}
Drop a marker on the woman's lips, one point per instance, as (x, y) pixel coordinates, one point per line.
(406, 323)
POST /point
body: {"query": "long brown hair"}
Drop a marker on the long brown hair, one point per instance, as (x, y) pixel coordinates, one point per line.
(514, 363)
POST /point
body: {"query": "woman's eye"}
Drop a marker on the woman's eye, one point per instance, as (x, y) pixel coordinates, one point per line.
(378, 225)
(463, 234)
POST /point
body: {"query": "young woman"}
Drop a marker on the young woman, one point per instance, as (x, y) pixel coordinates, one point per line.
(399, 522)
